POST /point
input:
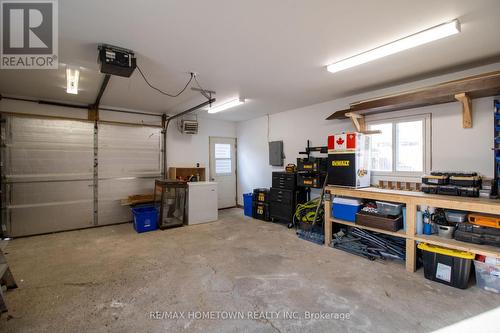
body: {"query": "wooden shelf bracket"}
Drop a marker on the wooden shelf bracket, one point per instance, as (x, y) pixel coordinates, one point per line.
(465, 99)
(359, 123)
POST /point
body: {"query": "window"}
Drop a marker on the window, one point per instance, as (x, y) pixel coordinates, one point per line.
(222, 158)
(403, 146)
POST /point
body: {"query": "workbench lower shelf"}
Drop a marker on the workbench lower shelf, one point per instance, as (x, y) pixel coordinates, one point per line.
(484, 250)
(399, 233)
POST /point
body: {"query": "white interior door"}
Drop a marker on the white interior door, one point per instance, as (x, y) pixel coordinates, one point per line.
(223, 170)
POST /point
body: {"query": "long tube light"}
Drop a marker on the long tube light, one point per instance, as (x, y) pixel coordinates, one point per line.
(72, 77)
(230, 104)
(420, 38)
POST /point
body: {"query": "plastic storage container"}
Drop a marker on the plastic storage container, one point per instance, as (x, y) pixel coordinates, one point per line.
(387, 208)
(447, 266)
(455, 216)
(145, 218)
(261, 211)
(485, 220)
(261, 195)
(404, 218)
(488, 276)
(446, 231)
(247, 204)
(346, 208)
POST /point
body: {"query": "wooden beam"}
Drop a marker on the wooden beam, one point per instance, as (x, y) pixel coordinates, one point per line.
(93, 114)
(466, 109)
(477, 86)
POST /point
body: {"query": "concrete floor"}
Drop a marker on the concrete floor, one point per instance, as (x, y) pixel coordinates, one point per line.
(110, 279)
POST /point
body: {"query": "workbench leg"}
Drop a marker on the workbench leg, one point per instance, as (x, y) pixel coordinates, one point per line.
(411, 248)
(328, 223)
(411, 256)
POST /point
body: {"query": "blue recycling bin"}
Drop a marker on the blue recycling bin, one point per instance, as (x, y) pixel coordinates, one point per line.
(247, 204)
(145, 218)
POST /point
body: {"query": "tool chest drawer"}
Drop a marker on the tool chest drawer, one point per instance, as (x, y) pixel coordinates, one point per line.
(281, 212)
(282, 196)
(284, 180)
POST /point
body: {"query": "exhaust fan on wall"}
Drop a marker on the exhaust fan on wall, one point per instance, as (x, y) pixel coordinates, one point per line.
(189, 127)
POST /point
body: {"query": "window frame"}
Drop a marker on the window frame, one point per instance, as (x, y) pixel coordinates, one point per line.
(223, 159)
(427, 144)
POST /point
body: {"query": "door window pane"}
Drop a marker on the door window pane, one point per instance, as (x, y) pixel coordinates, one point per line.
(381, 153)
(223, 166)
(222, 150)
(410, 143)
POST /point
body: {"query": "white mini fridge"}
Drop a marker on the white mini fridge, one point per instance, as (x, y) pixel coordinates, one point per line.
(202, 202)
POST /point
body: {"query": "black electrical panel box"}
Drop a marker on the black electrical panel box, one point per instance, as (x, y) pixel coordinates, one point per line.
(116, 60)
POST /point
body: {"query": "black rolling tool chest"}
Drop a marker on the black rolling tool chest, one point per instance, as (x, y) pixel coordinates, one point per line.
(284, 196)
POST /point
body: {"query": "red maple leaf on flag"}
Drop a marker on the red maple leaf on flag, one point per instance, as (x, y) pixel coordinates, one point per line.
(340, 141)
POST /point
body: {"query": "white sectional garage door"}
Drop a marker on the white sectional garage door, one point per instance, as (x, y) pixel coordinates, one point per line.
(129, 161)
(48, 173)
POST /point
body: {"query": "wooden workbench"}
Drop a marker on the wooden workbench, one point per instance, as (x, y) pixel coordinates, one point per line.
(412, 200)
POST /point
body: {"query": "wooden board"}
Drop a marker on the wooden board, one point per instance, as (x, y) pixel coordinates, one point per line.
(186, 172)
(458, 245)
(137, 199)
(477, 86)
(399, 233)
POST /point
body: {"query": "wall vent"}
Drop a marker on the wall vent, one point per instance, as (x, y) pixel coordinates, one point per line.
(189, 127)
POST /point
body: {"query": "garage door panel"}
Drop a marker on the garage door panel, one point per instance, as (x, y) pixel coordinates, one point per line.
(111, 192)
(129, 151)
(58, 216)
(129, 161)
(42, 147)
(49, 192)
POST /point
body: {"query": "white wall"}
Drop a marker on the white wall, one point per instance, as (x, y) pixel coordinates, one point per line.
(187, 150)
(182, 150)
(453, 148)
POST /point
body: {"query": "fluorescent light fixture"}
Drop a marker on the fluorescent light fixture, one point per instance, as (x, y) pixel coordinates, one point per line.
(72, 77)
(230, 104)
(420, 38)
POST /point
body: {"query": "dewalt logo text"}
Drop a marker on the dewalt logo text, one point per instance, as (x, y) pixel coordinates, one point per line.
(340, 163)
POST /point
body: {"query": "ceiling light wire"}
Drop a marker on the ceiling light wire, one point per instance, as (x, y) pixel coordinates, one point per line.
(161, 91)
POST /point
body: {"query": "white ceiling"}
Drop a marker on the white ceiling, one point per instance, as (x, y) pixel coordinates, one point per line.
(272, 52)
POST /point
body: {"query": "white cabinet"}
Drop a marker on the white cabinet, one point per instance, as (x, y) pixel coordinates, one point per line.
(202, 202)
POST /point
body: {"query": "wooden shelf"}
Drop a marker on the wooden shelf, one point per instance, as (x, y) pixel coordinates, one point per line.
(399, 233)
(458, 245)
(477, 86)
(185, 172)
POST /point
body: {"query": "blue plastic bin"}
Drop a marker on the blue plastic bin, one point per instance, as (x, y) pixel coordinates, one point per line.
(247, 204)
(145, 218)
(346, 208)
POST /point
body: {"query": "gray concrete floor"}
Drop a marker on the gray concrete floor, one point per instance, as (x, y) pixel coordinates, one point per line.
(110, 279)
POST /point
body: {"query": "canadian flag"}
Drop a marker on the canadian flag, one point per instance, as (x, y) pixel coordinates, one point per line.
(338, 142)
